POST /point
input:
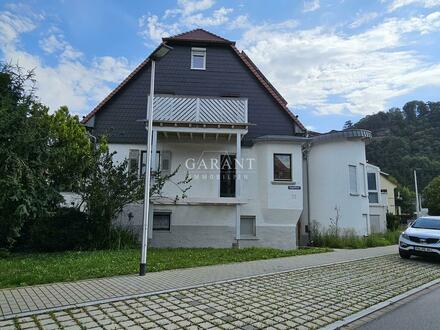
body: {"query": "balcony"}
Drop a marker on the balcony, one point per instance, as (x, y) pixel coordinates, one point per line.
(200, 112)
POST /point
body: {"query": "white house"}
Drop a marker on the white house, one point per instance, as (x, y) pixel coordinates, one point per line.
(258, 177)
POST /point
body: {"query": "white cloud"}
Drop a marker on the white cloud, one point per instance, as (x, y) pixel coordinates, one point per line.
(153, 29)
(12, 26)
(188, 14)
(311, 5)
(191, 6)
(56, 44)
(72, 81)
(396, 4)
(362, 19)
(336, 73)
(240, 22)
(218, 17)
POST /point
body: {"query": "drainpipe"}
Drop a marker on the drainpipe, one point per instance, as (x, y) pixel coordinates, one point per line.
(306, 154)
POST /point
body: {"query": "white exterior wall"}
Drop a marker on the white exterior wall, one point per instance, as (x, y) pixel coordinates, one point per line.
(211, 223)
(330, 185)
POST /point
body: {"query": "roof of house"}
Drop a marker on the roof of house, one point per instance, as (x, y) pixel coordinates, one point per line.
(362, 134)
(201, 35)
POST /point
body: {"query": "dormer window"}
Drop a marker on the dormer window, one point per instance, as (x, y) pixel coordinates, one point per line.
(198, 58)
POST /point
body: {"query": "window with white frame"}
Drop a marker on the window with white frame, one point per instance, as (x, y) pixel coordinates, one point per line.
(373, 192)
(248, 225)
(352, 173)
(198, 58)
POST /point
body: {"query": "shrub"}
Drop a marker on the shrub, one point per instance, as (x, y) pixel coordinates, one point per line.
(122, 238)
(67, 229)
(347, 238)
(393, 221)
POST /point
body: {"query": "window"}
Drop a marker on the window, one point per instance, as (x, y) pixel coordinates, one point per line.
(282, 167)
(133, 161)
(373, 194)
(247, 225)
(143, 161)
(363, 189)
(164, 164)
(227, 176)
(198, 58)
(372, 181)
(352, 171)
(162, 221)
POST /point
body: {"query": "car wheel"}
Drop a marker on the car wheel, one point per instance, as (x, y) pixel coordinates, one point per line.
(404, 254)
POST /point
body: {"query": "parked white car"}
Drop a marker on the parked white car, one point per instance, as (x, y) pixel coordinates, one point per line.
(422, 237)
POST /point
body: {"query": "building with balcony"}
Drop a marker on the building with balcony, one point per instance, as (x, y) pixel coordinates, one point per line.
(258, 177)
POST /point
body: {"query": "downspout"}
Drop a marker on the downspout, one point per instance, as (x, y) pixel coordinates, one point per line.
(307, 150)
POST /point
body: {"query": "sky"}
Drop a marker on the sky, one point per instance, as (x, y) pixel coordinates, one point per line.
(333, 61)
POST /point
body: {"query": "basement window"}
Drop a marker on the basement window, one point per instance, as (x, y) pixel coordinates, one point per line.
(162, 221)
(198, 58)
(248, 226)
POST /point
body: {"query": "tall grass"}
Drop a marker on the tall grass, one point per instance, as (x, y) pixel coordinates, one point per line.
(346, 238)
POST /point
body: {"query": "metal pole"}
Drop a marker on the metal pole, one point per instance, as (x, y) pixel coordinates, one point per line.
(417, 194)
(238, 163)
(145, 220)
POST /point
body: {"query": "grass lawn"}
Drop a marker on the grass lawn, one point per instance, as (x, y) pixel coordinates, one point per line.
(37, 268)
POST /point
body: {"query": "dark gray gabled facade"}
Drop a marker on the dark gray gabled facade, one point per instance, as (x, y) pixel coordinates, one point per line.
(227, 74)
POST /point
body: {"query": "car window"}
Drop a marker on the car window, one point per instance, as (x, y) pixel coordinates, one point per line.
(426, 223)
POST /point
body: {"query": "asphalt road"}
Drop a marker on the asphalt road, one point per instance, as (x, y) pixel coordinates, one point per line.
(422, 313)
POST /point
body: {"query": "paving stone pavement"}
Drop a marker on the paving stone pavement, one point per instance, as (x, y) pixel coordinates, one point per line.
(45, 297)
(299, 299)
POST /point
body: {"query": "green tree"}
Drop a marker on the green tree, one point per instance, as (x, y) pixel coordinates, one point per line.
(25, 192)
(406, 200)
(70, 150)
(404, 140)
(109, 186)
(348, 124)
(432, 196)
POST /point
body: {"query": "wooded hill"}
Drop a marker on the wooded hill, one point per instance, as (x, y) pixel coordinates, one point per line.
(404, 139)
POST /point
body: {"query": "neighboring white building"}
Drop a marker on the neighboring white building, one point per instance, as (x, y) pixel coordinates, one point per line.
(378, 204)
(259, 178)
(337, 181)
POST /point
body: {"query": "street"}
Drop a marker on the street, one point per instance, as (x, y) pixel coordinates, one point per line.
(307, 298)
(422, 313)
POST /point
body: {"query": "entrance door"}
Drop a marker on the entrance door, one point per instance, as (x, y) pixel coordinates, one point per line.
(227, 176)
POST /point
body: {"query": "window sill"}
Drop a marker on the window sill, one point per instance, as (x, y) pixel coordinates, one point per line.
(199, 69)
(283, 182)
(248, 238)
(353, 194)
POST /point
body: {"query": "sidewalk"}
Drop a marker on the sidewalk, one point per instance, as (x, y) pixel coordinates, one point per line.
(35, 299)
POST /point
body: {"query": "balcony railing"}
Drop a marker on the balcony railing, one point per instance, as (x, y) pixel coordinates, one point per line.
(192, 109)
